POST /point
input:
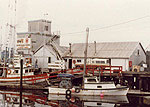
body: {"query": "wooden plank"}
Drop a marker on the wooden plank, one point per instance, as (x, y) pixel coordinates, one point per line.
(137, 92)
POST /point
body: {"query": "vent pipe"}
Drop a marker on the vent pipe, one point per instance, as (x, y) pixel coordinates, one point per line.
(70, 48)
(95, 46)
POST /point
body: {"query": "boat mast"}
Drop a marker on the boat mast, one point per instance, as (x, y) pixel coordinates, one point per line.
(85, 53)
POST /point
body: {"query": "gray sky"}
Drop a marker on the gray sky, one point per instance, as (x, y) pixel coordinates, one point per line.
(69, 16)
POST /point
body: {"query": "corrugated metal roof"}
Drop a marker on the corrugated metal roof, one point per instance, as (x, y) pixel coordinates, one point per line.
(103, 50)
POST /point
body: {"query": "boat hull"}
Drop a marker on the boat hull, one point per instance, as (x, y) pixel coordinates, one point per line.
(29, 79)
(102, 92)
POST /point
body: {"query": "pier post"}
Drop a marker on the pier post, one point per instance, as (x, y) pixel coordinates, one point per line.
(21, 72)
(140, 83)
(148, 84)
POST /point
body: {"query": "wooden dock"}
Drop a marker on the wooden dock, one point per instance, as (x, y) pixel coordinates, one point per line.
(25, 86)
(134, 80)
(138, 92)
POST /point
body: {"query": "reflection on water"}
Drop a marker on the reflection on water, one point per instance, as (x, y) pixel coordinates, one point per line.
(88, 101)
(42, 99)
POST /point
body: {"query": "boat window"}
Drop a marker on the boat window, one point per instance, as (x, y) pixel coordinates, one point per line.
(102, 62)
(26, 71)
(99, 103)
(16, 71)
(99, 86)
(78, 60)
(30, 70)
(91, 80)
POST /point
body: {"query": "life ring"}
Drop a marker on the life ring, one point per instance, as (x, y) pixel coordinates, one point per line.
(68, 96)
(9, 71)
(77, 90)
(8, 99)
(68, 92)
(74, 61)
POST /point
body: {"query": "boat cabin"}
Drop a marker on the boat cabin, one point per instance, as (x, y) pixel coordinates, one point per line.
(93, 82)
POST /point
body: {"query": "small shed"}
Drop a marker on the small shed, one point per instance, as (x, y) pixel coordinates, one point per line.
(125, 54)
(49, 56)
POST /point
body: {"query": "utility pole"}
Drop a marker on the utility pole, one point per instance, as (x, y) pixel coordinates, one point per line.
(44, 42)
(85, 53)
(21, 73)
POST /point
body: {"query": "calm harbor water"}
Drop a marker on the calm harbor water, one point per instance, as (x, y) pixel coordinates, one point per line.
(35, 98)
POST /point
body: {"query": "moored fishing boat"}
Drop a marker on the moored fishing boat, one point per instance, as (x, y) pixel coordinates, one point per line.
(11, 73)
(91, 87)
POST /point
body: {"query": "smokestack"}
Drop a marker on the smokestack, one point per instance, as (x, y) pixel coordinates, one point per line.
(95, 47)
(70, 48)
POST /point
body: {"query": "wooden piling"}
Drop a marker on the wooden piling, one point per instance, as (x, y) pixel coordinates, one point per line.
(21, 72)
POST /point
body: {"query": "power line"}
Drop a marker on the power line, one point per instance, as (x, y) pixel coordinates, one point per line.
(129, 21)
(109, 26)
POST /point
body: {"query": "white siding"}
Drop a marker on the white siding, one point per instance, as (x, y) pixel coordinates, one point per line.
(121, 62)
(135, 58)
(42, 57)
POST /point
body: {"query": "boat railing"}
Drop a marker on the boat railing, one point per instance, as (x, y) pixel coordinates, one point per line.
(104, 70)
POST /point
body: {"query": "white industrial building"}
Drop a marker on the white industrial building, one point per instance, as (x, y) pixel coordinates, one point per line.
(125, 54)
(39, 32)
(37, 42)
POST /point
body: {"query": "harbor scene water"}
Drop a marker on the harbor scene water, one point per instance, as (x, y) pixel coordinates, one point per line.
(32, 98)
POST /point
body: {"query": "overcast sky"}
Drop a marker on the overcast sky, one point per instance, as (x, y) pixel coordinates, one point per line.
(70, 16)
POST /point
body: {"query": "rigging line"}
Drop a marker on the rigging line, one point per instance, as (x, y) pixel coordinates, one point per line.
(129, 21)
(109, 26)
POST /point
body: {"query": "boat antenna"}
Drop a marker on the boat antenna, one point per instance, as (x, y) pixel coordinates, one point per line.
(85, 53)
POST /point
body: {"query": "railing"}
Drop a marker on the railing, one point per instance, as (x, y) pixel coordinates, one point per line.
(104, 69)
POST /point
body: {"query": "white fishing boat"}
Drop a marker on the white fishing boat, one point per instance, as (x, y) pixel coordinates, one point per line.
(91, 87)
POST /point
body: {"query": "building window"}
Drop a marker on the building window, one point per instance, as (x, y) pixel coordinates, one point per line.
(108, 61)
(16, 71)
(78, 60)
(30, 70)
(26, 71)
(49, 59)
(46, 28)
(138, 52)
(65, 60)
